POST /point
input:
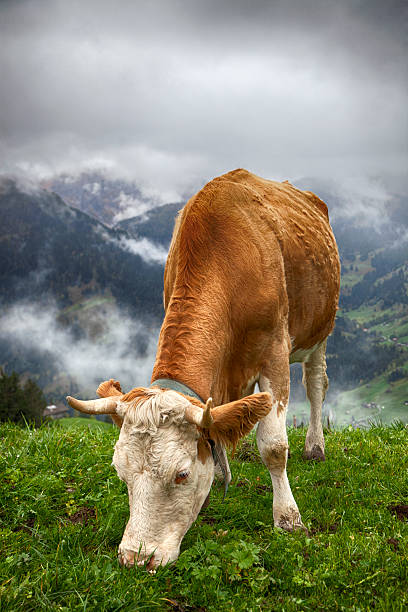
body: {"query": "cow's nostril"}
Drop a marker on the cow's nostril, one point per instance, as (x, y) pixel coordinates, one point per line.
(126, 557)
(129, 558)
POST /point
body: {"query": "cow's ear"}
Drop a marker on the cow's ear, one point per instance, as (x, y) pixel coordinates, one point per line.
(234, 420)
(111, 388)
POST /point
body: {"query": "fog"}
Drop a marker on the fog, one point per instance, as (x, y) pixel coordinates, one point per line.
(145, 248)
(129, 206)
(149, 251)
(109, 348)
(363, 201)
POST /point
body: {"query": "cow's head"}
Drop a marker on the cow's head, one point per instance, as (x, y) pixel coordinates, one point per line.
(164, 455)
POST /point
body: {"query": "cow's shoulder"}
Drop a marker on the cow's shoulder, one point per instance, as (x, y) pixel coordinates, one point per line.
(317, 202)
(280, 195)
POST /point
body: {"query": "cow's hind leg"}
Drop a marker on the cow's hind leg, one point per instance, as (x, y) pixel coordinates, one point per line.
(316, 383)
(272, 442)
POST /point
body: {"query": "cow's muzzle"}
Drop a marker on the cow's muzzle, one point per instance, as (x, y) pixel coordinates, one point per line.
(128, 558)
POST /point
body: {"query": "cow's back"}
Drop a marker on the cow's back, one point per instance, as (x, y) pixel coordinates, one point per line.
(272, 244)
(300, 221)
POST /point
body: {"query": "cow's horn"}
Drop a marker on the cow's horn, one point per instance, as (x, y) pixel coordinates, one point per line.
(207, 420)
(201, 418)
(105, 405)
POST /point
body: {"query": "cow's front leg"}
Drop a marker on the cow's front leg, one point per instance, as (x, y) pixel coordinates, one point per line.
(272, 442)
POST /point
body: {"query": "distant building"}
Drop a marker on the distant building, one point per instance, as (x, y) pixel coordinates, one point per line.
(56, 412)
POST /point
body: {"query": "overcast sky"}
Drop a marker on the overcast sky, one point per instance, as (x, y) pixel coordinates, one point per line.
(171, 93)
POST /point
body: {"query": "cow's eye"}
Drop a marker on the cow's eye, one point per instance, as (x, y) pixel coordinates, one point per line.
(181, 476)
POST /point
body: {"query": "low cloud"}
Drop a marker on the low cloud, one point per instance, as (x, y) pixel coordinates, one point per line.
(109, 347)
(363, 199)
(147, 250)
(150, 252)
(366, 201)
(19, 180)
(130, 206)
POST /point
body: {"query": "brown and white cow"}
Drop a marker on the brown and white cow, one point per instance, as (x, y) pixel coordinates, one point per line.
(251, 285)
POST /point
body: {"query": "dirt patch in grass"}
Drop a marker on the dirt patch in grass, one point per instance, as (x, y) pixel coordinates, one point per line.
(400, 510)
(83, 515)
(178, 606)
(393, 542)
(28, 526)
(259, 488)
(243, 483)
(246, 451)
(9, 482)
(318, 528)
(209, 520)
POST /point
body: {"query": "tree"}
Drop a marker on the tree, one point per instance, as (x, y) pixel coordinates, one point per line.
(396, 374)
(18, 402)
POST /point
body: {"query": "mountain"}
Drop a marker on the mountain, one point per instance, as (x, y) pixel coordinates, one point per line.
(156, 224)
(48, 248)
(79, 300)
(117, 203)
(106, 199)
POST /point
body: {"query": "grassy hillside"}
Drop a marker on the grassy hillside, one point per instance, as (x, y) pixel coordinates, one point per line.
(374, 317)
(63, 511)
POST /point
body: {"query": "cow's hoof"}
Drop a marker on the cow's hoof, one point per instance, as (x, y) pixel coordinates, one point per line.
(315, 454)
(290, 521)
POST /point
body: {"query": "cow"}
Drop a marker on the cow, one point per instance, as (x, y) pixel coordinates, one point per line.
(251, 284)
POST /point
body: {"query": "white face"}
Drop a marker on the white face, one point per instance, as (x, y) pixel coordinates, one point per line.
(157, 456)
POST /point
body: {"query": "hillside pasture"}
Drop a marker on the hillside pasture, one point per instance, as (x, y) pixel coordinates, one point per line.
(63, 511)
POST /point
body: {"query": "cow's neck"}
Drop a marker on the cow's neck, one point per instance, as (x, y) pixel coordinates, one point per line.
(192, 344)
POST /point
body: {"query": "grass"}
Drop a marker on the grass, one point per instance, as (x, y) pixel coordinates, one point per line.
(63, 511)
(351, 277)
(86, 304)
(386, 324)
(389, 322)
(363, 314)
(390, 398)
(81, 422)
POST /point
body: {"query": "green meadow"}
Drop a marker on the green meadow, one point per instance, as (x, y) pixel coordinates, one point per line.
(63, 511)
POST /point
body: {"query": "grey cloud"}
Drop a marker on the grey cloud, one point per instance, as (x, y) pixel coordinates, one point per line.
(172, 93)
(149, 251)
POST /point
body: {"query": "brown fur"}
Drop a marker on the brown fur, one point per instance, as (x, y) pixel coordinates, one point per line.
(137, 392)
(253, 270)
(109, 388)
(234, 420)
(203, 449)
(252, 276)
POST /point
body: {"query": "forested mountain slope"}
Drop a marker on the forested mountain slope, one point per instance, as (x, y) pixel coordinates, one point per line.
(49, 248)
